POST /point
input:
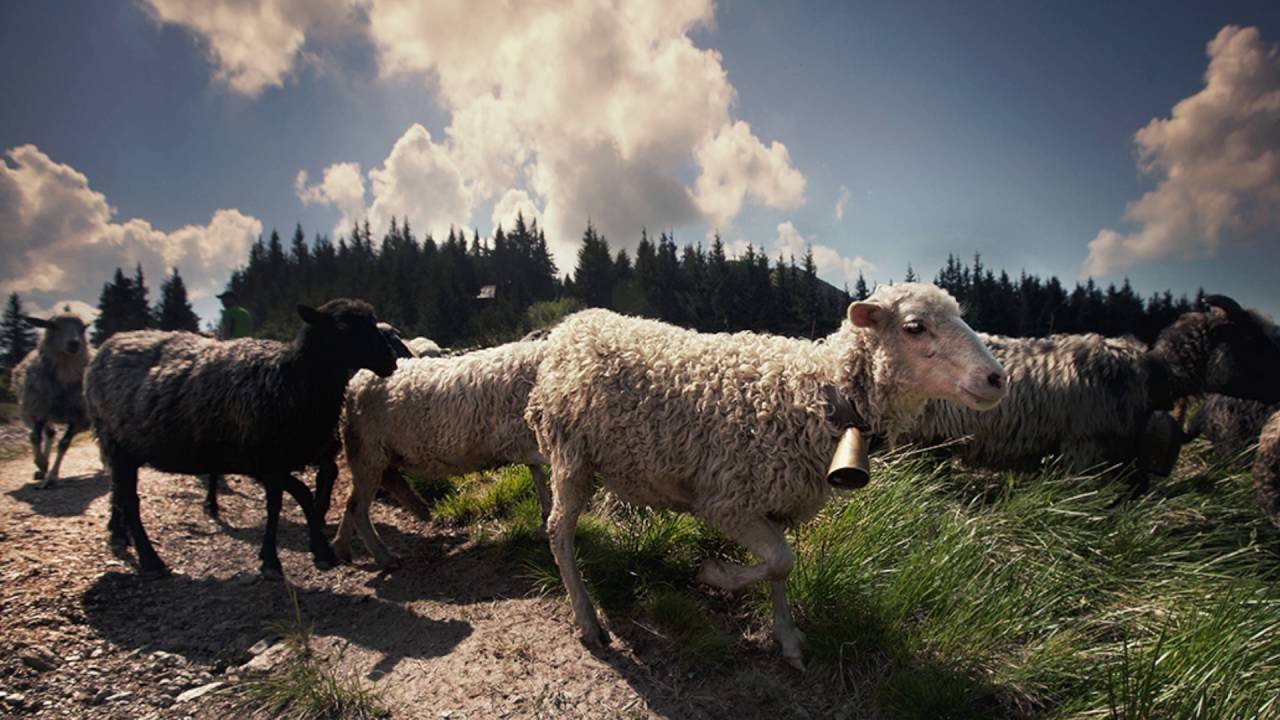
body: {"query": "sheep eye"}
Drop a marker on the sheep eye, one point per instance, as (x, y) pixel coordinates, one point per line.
(913, 327)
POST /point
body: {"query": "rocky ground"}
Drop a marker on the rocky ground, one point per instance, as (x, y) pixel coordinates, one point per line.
(455, 633)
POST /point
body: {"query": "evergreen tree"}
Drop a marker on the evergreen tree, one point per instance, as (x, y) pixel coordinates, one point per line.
(174, 311)
(860, 291)
(121, 306)
(17, 338)
(593, 278)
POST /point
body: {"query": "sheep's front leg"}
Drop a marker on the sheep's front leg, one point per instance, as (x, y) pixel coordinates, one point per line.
(72, 430)
(321, 553)
(125, 512)
(37, 450)
(571, 489)
(211, 481)
(768, 542)
(364, 487)
(270, 568)
(540, 485)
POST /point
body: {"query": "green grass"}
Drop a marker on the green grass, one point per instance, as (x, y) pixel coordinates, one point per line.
(306, 686)
(942, 593)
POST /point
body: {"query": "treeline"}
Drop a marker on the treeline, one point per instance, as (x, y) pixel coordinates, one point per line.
(471, 291)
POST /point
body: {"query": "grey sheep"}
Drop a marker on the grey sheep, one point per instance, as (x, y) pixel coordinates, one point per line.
(1232, 425)
(49, 385)
(184, 403)
(1095, 400)
(736, 428)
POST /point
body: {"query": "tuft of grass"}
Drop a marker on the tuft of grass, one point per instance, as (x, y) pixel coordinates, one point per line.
(682, 618)
(306, 686)
(485, 496)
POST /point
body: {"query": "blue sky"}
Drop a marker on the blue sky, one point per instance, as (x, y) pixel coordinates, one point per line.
(985, 127)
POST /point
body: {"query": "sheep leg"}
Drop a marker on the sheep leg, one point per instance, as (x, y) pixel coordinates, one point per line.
(326, 474)
(572, 489)
(395, 484)
(72, 430)
(124, 498)
(37, 449)
(270, 557)
(768, 542)
(211, 494)
(321, 554)
(540, 485)
(356, 516)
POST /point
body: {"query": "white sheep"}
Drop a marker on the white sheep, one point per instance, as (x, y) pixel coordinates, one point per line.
(433, 418)
(1266, 469)
(424, 347)
(735, 428)
(49, 385)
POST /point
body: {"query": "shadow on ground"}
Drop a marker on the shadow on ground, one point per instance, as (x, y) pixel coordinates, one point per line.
(68, 496)
(206, 619)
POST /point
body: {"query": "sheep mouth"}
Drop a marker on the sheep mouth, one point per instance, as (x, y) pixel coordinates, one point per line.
(980, 401)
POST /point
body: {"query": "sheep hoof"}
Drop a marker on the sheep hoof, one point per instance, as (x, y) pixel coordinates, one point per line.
(119, 547)
(795, 661)
(342, 552)
(272, 573)
(596, 638)
(38, 475)
(325, 559)
(392, 562)
(46, 483)
(211, 509)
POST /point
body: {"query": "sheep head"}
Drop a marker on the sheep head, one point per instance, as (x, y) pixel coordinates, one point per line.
(347, 330)
(63, 333)
(934, 353)
(1243, 354)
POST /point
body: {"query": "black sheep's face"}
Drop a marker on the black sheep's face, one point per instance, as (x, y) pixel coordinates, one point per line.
(349, 330)
(1244, 356)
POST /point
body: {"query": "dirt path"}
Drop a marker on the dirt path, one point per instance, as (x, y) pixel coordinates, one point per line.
(454, 634)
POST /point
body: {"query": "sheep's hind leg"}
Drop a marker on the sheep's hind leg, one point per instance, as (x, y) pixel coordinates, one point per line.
(572, 489)
(38, 450)
(768, 542)
(321, 553)
(357, 516)
(124, 498)
(540, 486)
(211, 481)
(72, 430)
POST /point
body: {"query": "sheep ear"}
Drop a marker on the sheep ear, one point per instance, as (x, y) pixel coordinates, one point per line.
(310, 315)
(865, 314)
(37, 322)
(1229, 307)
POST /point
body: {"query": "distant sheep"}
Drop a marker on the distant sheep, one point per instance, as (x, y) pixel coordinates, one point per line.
(736, 428)
(424, 347)
(433, 418)
(1231, 424)
(1266, 470)
(184, 403)
(49, 385)
(1095, 400)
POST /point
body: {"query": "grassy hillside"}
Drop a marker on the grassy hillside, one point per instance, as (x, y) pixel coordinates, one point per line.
(937, 592)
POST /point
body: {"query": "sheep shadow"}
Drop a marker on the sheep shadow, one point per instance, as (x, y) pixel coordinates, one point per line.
(68, 496)
(213, 621)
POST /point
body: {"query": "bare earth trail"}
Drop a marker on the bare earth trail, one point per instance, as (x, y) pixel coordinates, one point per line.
(455, 633)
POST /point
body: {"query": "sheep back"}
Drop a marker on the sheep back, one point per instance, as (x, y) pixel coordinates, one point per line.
(444, 416)
(1231, 424)
(189, 404)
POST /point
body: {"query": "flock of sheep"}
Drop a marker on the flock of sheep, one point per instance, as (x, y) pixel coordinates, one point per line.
(736, 428)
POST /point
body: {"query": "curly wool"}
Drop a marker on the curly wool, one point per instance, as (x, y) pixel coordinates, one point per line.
(437, 417)
(1231, 424)
(1266, 469)
(724, 426)
(190, 404)
(1081, 396)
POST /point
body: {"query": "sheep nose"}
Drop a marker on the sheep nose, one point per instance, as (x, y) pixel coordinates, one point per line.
(995, 380)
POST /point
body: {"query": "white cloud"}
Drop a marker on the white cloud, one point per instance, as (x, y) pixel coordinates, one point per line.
(600, 108)
(62, 241)
(421, 182)
(832, 266)
(1217, 158)
(841, 203)
(255, 44)
(515, 203)
(342, 187)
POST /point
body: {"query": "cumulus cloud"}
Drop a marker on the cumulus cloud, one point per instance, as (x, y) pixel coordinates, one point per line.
(255, 44)
(602, 109)
(832, 266)
(841, 203)
(512, 204)
(419, 181)
(62, 240)
(342, 186)
(1217, 161)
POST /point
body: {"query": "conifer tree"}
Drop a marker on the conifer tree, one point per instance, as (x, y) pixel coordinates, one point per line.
(17, 338)
(174, 310)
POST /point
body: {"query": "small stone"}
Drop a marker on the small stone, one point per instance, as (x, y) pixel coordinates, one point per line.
(39, 659)
(198, 692)
(268, 659)
(259, 647)
(120, 696)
